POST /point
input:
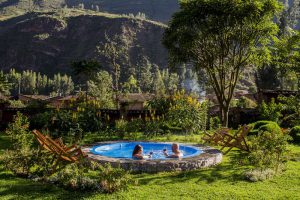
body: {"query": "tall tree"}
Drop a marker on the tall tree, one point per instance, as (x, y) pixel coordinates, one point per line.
(131, 85)
(158, 83)
(146, 77)
(222, 37)
(101, 87)
(113, 51)
(4, 84)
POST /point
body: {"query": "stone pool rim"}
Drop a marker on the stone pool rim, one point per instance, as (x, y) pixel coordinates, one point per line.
(209, 157)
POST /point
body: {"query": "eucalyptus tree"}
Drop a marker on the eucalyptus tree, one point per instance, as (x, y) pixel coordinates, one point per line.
(223, 37)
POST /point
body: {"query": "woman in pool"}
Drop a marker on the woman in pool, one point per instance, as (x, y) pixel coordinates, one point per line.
(175, 150)
(138, 153)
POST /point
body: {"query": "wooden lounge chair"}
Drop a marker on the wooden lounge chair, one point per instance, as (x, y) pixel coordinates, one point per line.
(223, 138)
(216, 137)
(59, 150)
(238, 140)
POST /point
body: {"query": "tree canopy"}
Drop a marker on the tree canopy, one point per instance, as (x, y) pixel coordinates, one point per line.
(222, 37)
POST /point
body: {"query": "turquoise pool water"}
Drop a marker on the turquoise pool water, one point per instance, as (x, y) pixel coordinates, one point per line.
(124, 150)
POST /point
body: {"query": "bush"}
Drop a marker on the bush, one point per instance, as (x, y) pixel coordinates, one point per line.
(291, 110)
(19, 132)
(259, 175)
(114, 179)
(187, 112)
(16, 104)
(269, 126)
(271, 111)
(245, 102)
(19, 161)
(75, 176)
(121, 126)
(295, 134)
(24, 159)
(267, 150)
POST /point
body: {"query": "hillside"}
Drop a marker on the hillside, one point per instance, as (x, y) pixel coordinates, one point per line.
(158, 10)
(48, 42)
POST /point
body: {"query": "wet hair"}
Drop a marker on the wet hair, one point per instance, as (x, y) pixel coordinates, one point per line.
(136, 149)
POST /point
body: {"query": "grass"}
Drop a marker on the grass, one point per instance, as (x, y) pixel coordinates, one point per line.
(224, 181)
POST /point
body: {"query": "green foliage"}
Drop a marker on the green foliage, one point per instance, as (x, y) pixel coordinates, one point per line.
(271, 111)
(4, 84)
(214, 123)
(75, 176)
(30, 82)
(101, 87)
(259, 175)
(113, 179)
(20, 160)
(267, 150)
(19, 132)
(121, 126)
(196, 34)
(131, 86)
(291, 110)
(24, 159)
(187, 112)
(16, 104)
(269, 126)
(295, 134)
(245, 102)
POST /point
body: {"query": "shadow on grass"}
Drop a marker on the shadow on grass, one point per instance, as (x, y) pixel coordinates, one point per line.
(5, 142)
(12, 187)
(225, 171)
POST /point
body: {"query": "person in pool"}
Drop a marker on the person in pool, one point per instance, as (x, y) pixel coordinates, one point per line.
(175, 150)
(138, 153)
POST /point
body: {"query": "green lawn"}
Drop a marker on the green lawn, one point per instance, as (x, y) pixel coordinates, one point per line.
(221, 182)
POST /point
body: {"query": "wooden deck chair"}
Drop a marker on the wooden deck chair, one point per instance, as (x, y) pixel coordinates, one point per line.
(66, 153)
(59, 151)
(217, 136)
(238, 140)
(42, 140)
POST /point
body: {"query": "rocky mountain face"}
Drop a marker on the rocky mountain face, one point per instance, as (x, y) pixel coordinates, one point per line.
(48, 43)
(157, 10)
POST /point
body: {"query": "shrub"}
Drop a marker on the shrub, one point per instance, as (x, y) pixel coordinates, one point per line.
(214, 123)
(19, 132)
(19, 161)
(271, 111)
(114, 179)
(135, 125)
(153, 128)
(291, 110)
(24, 159)
(295, 134)
(16, 104)
(75, 176)
(121, 126)
(245, 102)
(267, 150)
(269, 126)
(259, 175)
(187, 112)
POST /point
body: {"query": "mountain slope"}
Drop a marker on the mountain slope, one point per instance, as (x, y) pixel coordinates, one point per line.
(48, 42)
(158, 10)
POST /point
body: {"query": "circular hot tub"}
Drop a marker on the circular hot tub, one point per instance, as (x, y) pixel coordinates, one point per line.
(119, 153)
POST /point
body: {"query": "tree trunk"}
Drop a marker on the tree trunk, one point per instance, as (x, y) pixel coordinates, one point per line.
(224, 115)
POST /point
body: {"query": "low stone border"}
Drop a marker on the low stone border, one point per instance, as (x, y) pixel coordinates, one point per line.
(209, 157)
